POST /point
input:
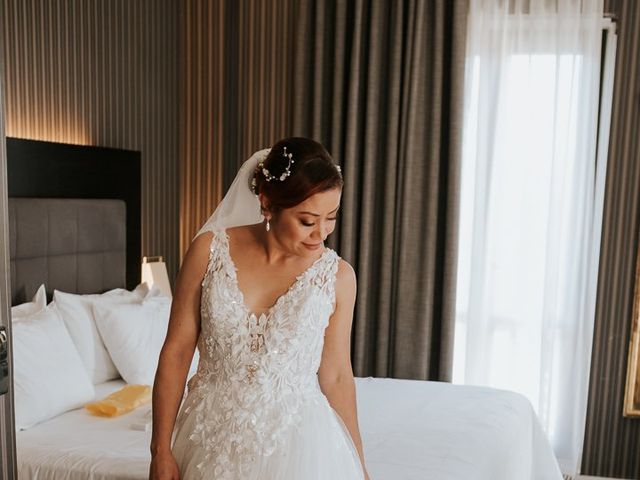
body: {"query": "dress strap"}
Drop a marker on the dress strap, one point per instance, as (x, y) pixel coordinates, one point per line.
(324, 278)
(217, 258)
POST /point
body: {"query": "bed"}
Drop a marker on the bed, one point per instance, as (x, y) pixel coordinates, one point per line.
(410, 429)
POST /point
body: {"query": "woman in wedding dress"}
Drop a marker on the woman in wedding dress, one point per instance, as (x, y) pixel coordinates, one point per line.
(270, 309)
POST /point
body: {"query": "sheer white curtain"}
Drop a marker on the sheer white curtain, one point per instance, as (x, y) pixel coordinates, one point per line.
(532, 187)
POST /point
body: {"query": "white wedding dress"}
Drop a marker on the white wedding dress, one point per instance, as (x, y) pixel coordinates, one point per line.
(254, 409)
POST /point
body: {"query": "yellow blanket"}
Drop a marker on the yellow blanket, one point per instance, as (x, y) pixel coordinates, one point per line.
(121, 401)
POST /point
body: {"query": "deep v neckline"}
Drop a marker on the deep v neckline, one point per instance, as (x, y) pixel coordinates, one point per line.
(240, 294)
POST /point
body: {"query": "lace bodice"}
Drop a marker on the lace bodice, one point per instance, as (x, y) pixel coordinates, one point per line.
(255, 372)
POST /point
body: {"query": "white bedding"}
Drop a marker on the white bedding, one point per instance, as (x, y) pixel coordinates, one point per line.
(438, 431)
(411, 430)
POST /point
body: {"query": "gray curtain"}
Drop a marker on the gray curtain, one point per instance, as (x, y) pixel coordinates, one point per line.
(380, 85)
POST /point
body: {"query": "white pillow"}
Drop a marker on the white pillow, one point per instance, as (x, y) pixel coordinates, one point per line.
(77, 314)
(134, 335)
(49, 377)
(38, 302)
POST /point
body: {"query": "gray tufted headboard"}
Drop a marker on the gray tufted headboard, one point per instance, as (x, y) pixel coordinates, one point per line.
(73, 245)
(84, 173)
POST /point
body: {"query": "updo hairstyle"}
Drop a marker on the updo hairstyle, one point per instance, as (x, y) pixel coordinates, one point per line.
(312, 171)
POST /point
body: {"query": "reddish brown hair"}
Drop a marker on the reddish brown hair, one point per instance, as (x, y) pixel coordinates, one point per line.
(313, 171)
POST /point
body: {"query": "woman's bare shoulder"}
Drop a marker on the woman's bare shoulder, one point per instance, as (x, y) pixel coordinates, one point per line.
(201, 244)
(345, 270)
(196, 258)
(346, 282)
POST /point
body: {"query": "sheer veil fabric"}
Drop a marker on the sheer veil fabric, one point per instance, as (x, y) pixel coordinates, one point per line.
(239, 206)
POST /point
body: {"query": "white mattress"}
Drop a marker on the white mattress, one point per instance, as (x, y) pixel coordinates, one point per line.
(411, 430)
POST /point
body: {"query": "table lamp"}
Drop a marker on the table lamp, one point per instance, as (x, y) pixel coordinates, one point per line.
(154, 272)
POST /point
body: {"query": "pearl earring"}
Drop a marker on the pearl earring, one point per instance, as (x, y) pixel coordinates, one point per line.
(268, 226)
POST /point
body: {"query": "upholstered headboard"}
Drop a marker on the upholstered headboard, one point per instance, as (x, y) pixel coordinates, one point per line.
(74, 212)
(73, 245)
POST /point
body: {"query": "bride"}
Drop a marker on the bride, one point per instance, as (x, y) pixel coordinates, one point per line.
(270, 309)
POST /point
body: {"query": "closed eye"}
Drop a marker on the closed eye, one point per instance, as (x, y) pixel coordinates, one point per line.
(312, 224)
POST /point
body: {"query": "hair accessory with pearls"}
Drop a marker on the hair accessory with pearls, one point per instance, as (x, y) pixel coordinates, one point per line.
(285, 174)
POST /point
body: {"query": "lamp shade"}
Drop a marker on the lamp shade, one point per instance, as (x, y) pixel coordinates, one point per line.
(154, 272)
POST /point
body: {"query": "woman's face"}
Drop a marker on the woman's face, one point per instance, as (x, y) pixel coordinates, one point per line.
(304, 228)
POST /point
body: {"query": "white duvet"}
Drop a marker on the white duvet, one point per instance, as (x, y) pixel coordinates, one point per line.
(411, 430)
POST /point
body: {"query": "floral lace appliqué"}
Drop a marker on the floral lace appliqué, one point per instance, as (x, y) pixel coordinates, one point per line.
(255, 373)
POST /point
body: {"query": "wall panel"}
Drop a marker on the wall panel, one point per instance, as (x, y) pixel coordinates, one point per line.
(104, 73)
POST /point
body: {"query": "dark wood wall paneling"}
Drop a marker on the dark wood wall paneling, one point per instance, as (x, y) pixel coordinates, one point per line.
(612, 442)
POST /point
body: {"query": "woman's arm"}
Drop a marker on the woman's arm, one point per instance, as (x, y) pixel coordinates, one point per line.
(335, 374)
(176, 356)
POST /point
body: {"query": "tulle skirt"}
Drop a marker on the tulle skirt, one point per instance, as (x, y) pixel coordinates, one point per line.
(321, 449)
